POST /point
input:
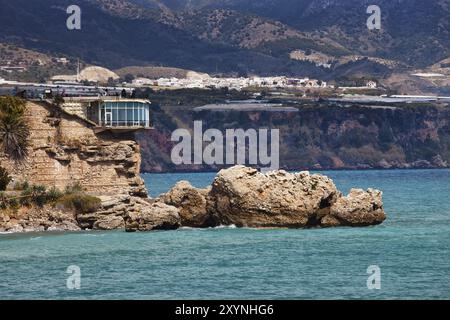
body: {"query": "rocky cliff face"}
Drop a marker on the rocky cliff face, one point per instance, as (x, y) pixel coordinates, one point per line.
(64, 151)
(322, 136)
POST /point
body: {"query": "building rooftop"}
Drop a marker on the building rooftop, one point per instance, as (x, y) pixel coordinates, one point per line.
(104, 99)
(247, 107)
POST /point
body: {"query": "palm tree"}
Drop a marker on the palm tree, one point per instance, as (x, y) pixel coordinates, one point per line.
(14, 130)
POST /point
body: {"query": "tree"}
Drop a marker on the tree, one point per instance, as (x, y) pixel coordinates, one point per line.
(128, 78)
(58, 100)
(111, 82)
(14, 130)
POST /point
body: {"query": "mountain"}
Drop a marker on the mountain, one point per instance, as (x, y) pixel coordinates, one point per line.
(117, 34)
(321, 38)
(415, 29)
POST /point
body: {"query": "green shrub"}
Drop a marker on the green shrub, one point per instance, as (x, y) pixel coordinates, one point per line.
(53, 194)
(14, 203)
(26, 197)
(5, 179)
(80, 203)
(39, 195)
(20, 186)
(34, 195)
(73, 188)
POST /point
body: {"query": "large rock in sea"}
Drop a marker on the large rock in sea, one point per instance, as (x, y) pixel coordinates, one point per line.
(244, 197)
(154, 216)
(192, 204)
(360, 208)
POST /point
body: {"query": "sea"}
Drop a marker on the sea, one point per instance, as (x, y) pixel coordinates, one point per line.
(407, 257)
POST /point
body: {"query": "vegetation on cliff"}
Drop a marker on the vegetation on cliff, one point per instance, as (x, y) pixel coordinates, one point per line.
(14, 130)
(22, 194)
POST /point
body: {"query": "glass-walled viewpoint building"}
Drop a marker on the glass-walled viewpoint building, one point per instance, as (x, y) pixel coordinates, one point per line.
(121, 113)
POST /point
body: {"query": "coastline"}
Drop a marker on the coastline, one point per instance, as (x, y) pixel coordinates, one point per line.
(240, 196)
(303, 169)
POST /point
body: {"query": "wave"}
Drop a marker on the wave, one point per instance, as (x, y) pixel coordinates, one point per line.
(211, 228)
(231, 226)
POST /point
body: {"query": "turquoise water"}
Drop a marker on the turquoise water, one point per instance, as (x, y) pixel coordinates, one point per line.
(411, 248)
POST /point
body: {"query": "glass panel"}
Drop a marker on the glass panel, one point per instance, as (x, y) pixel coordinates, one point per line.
(115, 116)
(136, 116)
(147, 113)
(130, 117)
(142, 116)
(102, 117)
(122, 119)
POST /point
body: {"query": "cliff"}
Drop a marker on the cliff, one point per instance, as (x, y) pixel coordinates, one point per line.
(65, 153)
(321, 135)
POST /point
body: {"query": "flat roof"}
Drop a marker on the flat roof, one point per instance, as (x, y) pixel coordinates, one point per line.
(247, 107)
(105, 99)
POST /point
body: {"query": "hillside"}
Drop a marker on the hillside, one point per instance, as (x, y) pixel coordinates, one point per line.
(325, 39)
(407, 26)
(127, 37)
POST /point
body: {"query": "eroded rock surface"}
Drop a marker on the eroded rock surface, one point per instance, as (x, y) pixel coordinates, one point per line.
(192, 204)
(37, 219)
(153, 216)
(245, 197)
(359, 208)
(65, 150)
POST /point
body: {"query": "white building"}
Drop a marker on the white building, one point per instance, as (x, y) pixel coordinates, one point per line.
(233, 83)
(371, 84)
(143, 82)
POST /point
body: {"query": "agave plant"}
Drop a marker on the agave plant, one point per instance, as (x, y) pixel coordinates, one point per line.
(14, 130)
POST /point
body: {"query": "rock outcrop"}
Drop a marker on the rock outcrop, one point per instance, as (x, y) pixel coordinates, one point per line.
(359, 208)
(247, 198)
(65, 150)
(191, 203)
(153, 216)
(37, 219)
(244, 197)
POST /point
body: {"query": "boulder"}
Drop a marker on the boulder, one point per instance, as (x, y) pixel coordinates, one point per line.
(359, 208)
(244, 197)
(37, 219)
(192, 204)
(155, 216)
(109, 222)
